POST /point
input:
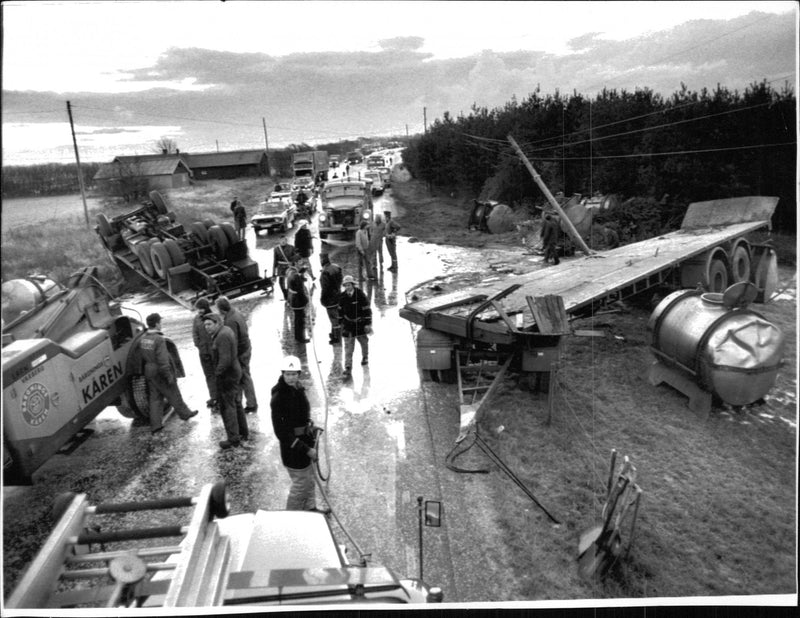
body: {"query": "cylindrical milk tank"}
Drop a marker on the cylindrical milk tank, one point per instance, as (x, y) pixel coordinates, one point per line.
(734, 354)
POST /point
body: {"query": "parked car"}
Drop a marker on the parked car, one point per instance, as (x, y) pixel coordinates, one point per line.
(386, 176)
(354, 157)
(274, 215)
(377, 181)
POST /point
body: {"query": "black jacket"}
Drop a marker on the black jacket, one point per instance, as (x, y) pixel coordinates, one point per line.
(291, 415)
(355, 312)
(331, 285)
(303, 242)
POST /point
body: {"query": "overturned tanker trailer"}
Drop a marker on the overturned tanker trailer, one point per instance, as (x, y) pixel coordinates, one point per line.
(203, 259)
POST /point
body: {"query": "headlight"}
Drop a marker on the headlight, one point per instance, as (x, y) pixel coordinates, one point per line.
(322, 217)
(366, 214)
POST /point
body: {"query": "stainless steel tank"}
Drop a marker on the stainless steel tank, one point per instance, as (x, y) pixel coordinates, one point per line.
(732, 353)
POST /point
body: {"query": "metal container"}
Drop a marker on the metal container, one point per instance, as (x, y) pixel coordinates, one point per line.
(434, 350)
(733, 354)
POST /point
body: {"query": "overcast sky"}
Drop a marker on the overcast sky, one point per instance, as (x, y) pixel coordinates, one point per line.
(206, 72)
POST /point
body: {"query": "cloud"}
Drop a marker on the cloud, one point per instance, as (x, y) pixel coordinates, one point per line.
(402, 43)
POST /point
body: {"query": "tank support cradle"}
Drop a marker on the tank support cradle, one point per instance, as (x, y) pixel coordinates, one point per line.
(699, 400)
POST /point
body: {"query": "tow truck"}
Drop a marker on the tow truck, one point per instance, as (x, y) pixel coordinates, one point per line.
(201, 558)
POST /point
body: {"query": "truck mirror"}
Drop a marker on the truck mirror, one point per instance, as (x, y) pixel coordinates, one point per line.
(433, 513)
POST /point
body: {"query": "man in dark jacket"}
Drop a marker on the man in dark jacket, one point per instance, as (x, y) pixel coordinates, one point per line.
(392, 227)
(203, 344)
(161, 375)
(236, 322)
(304, 244)
(331, 289)
(229, 375)
(550, 230)
(298, 301)
(356, 315)
(283, 256)
(291, 421)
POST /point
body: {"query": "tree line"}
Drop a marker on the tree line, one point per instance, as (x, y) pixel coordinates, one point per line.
(657, 154)
(46, 179)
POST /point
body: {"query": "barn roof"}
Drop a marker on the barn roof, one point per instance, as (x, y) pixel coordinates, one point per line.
(141, 165)
(224, 159)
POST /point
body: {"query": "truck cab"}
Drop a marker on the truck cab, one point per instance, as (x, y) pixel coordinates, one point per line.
(345, 203)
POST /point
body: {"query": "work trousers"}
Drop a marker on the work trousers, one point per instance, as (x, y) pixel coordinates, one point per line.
(282, 285)
(158, 390)
(299, 324)
(379, 252)
(241, 229)
(207, 363)
(302, 495)
(336, 329)
(350, 346)
(551, 251)
(230, 405)
(391, 247)
(247, 380)
(366, 263)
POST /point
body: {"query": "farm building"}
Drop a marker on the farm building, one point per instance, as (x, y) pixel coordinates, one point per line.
(134, 176)
(233, 164)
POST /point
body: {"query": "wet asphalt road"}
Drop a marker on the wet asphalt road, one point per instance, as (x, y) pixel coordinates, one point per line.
(385, 441)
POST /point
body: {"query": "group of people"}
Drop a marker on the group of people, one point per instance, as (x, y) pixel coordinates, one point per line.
(370, 239)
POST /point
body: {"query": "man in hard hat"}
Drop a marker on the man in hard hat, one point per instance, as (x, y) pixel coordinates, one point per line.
(356, 315)
(161, 375)
(229, 375)
(291, 421)
(331, 289)
(283, 256)
(298, 300)
(202, 341)
(366, 257)
(304, 244)
(233, 319)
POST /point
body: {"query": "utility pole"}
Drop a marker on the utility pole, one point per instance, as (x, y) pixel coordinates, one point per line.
(406, 130)
(538, 180)
(425, 118)
(217, 144)
(266, 144)
(78, 160)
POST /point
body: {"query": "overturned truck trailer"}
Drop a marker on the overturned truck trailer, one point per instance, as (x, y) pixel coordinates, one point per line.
(184, 262)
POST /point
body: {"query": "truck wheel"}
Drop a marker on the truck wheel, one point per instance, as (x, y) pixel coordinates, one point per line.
(158, 202)
(258, 229)
(104, 225)
(160, 258)
(717, 276)
(208, 223)
(176, 255)
(218, 241)
(60, 505)
(220, 507)
(230, 232)
(143, 253)
(740, 264)
(199, 229)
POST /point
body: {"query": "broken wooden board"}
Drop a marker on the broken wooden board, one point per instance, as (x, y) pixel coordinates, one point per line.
(549, 314)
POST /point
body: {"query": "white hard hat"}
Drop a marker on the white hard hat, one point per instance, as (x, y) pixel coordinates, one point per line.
(348, 279)
(291, 363)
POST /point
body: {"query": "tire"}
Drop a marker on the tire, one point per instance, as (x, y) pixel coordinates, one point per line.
(717, 276)
(60, 505)
(740, 264)
(199, 229)
(219, 500)
(143, 253)
(158, 202)
(176, 255)
(161, 260)
(104, 226)
(172, 216)
(218, 240)
(230, 232)
(208, 223)
(258, 229)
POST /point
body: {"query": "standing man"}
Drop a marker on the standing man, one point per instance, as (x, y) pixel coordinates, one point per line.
(236, 322)
(298, 301)
(301, 201)
(363, 242)
(550, 229)
(161, 374)
(356, 323)
(331, 283)
(392, 227)
(202, 341)
(377, 232)
(304, 244)
(229, 376)
(283, 256)
(239, 219)
(291, 421)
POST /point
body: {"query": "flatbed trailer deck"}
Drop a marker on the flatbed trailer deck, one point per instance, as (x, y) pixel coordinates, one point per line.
(610, 275)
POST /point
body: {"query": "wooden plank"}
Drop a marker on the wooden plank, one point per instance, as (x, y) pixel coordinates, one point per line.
(504, 316)
(549, 313)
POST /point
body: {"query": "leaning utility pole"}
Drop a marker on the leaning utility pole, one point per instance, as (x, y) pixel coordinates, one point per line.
(78, 159)
(538, 180)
